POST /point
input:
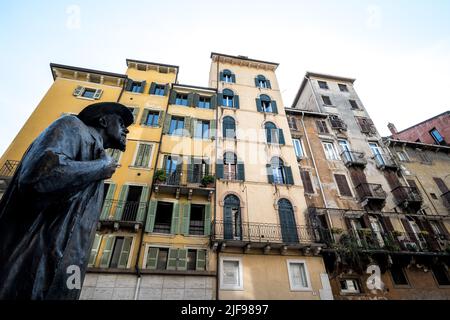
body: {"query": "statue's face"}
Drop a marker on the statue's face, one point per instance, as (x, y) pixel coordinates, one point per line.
(116, 132)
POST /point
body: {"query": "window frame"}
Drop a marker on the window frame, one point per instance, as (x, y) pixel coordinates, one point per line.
(337, 158)
(342, 85)
(323, 85)
(203, 123)
(347, 292)
(136, 152)
(292, 286)
(178, 120)
(434, 137)
(324, 97)
(240, 285)
(408, 285)
(147, 247)
(178, 99)
(300, 144)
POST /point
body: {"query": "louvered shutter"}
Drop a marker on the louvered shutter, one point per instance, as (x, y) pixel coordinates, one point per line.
(207, 223)
(172, 259)
(269, 86)
(269, 173)
(219, 170)
(143, 83)
(236, 102)
(98, 94)
(201, 260)
(173, 97)
(78, 91)
(121, 203)
(94, 250)
(125, 252)
(107, 252)
(241, 171)
(145, 116)
(152, 258)
(307, 183)
(142, 204)
(152, 88)
(289, 176)
(107, 204)
(213, 129)
(182, 259)
(167, 121)
(259, 105)
(281, 137)
(186, 218)
(174, 228)
(166, 89)
(343, 186)
(151, 214)
(274, 106)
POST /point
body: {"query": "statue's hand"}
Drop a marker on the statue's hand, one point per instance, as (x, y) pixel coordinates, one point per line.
(110, 166)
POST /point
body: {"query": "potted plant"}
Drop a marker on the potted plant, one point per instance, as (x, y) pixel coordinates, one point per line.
(337, 230)
(208, 181)
(160, 176)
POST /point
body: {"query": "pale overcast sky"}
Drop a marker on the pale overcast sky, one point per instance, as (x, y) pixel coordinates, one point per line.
(399, 51)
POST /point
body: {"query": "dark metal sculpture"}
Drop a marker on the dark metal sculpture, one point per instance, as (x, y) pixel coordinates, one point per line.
(49, 214)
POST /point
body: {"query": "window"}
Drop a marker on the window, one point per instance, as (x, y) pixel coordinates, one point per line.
(350, 286)
(156, 258)
(116, 252)
(94, 250)
(163, 217)
(262, 82)
(323, 85)
(228, 98)
(137, 87)
(201, 129)
(403, 156)
(229, 128)
(230, 165)
(163, 256)
(176, 126)
(160, 90)
(330, 151)
(152, 119)
(274, 135)
(441, 275)
(264, 104)
(424, 157)
(366, 125)
(437, 137)
(327, 100)
(434, 196)
(227, 76)
(88, 93)
(197, 220)
(343, 186)
(354, 104)
(322, 126)
(143, 155)
(298, 147)
(278, 173)
(181, 99)
(292, 123)
(298, 276)
(398, 275)
(307, 182)
(114, 153)
(232, 222)
(343, 87)
(191, 259)
(231, 274)
(204, 102)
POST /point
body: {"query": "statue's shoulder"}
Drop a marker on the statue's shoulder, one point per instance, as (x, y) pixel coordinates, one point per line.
(70, 121)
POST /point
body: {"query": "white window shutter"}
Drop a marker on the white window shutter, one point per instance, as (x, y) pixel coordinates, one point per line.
(98, 94)
(78, 91)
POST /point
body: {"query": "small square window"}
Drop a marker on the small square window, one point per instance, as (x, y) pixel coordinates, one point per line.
(152, 119)
(398, 275)
(231, 274)
(343, 87)
(159, 90)
(327, 100)
(434, 196)
(323, 85)
(350, 286)
(88, 93)
(298, 276)
(354, 104)
(181, 99)
(441, 275)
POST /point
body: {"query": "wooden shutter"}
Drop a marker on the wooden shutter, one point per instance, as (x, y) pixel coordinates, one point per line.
(274, 106)
(219, 170)
(146, 155)
(143, 83)
(121, 203)
(213, 102)
(129, 85)
(98, 94)
(307, 183)
(167, 121)
(259, 105)
(236, 102)
(182, 259)
(172, 259)
(281, 137)
(144, 116)
(213, 129)
(196, 99)
(207, 223)
(257, 82)
(174, 228)
(412, 183)
(221, 76)
(152, 88)
(219, 99)
(152, 258)
(94, 250)
(191, 99)
(289, 176)
(392, 179)
(241, 171)
(191, 167)
(125, 252)
(107, 252)
(78, 91)
(233, 78)
(166, 89)
(441, 185)
(432, 237)
(358, 176)
(269, 85)
(151, 214)
(173, 97)
(269, 173)
(107, 204)
(407, 227)
(201, 260)
(161, 118)
(186, 219)
(142, 204)
(188, 131)
(344, 188)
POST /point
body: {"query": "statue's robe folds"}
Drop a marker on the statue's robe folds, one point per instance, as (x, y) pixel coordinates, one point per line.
(49, 213)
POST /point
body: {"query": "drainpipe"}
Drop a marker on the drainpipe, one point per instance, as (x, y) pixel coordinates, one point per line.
(215, 192)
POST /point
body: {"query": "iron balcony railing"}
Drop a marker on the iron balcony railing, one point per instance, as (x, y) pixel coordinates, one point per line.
(183, 177)
(446, 199)
(385, 161)
(124, 211)
(9, 168)
(353, 158)
(162, 228)
(406, 195)
(368, 191)
(264, 233)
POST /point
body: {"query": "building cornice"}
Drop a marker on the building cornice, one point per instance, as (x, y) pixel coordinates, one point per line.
(243, 60)
(54, 67)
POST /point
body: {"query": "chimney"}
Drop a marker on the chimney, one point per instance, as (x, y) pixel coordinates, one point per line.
(392, 128)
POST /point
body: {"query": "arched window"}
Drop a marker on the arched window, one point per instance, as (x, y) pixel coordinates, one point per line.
(287, 221)
(262, 82)
(278, 173)
(273, 134)
(227, 76)
(229, 128)
(264, 104)
(228, 97)
(232, 218)
(229, 166)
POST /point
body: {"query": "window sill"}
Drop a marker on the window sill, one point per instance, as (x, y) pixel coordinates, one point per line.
(157, 95)
(140, 168)
(151, 127)
(84, 98)
(231, 288)
(135, 93)
(301, 289)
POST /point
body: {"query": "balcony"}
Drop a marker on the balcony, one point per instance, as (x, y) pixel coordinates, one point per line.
(123, 213)
(408, 198)
(264, 236)
(385, 162)
(354, 159)
(184, 182)
(369, 193)
(337, 123)
(7, 172)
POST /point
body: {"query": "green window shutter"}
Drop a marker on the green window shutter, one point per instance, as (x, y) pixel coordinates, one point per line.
(144, 116)
(143, 83)
(191, 170)
(78, 91)
(188, 126)
(213, 129)
(142, 204)
(221, 76)
(98, 94)
(259, 105)
(125, 253)
(191, 99)
(167, 120)
(172, 259)
(269, 173)
(192, 127)
(152, 258)
(182, 259)
(214, 102)
(289, 176)
(207, 225)
(269, 135)
(161, 118)
(201, 260)
(241, 171)
(274, 106)
(186, 218)
(166, 89)
(107, 204)
(173, 97)
(121, 203)
(219, 170)
(152, 88)
(135, 114)
(146, 156)
(219, 99)
(269, 86)
(236, 102)
(257, 82)
(107, 252)
(281, 137)
(196, 100)
(174, 228)
(151, 214)
(129, 85)
(233, 78)
(94, 250)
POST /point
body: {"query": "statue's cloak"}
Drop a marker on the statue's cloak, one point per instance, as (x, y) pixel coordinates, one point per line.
(49, 213)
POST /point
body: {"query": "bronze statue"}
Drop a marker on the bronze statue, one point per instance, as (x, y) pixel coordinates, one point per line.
(49, 214)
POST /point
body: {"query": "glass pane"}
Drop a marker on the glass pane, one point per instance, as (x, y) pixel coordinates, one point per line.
(231, 273)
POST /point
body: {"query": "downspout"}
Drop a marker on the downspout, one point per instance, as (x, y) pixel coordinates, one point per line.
(215, 193)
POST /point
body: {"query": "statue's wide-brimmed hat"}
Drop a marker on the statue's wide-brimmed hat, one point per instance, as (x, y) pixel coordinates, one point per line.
(91, 113)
